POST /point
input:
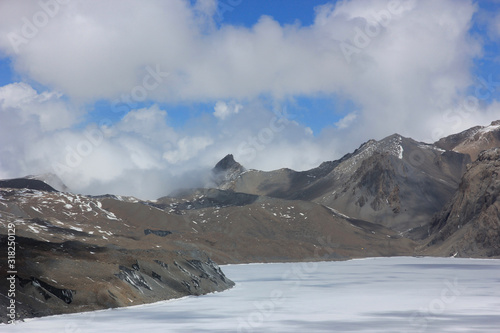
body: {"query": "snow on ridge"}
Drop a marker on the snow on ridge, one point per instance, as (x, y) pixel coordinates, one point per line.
(391, 145)
(489, 128)
(430, 146)
(337, 213)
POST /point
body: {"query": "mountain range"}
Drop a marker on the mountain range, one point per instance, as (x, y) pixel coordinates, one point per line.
(390, 197)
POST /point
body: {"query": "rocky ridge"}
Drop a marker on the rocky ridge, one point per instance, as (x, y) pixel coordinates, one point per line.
(74, 255)
(469, 225)
(79, 253)
(473, 140)
(396, 182)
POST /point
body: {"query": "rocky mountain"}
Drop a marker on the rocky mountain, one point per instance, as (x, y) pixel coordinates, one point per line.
(473, 140)
(52, 180)
(73, 255)
(226, 171)
(396, 182)
(78, 253)
(238, 227)
(27, 183)
(469, 225)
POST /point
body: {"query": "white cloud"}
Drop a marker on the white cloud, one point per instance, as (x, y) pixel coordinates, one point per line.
(410, 66)
(408, 75)
(46, 108)
(222, 109)
(187, 148)
(149, 123)
(346, 121)
(25, 118)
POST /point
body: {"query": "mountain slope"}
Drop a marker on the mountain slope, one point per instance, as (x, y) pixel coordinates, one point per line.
(396, 182)
(473, 140)
(236, 227)
(469, 225)
(79, 253)
(73, 255)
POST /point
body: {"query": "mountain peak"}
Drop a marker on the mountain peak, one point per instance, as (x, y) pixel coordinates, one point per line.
(226, 163)
(225, 171)
(473, 140)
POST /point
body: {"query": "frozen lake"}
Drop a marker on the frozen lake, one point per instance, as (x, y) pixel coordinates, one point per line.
(370, 295)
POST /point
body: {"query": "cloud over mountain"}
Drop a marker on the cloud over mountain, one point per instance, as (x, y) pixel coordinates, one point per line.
(406, 65)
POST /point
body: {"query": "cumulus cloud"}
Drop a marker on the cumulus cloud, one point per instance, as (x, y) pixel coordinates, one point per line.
(222, 109)
(187, 148)
(405, 64)
(25, 117)
(21, 100)
(143, 155)
(407, 59)
(346, 121)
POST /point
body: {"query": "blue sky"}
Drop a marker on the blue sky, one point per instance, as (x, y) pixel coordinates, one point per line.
(247, 12)
(283, 83)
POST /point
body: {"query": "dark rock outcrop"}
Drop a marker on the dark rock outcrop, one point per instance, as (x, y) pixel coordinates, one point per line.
(160, 233)
(31, 184)
(225, 171)
(469, 225)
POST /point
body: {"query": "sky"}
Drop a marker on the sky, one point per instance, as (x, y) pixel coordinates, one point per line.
(143, 97)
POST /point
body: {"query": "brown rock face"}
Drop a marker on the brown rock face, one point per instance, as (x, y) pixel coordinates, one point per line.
(74, 255)
(473, 141)
(226, 171)
(79, 253)
(469, 225)
(397, 182)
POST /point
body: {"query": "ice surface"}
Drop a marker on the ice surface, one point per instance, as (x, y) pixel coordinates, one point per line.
(371, 295)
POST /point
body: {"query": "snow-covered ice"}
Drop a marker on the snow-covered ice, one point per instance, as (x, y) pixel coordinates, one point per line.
(371, 295)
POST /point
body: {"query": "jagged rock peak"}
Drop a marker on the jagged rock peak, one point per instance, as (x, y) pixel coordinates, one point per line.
(226, 171)
(226, 163)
